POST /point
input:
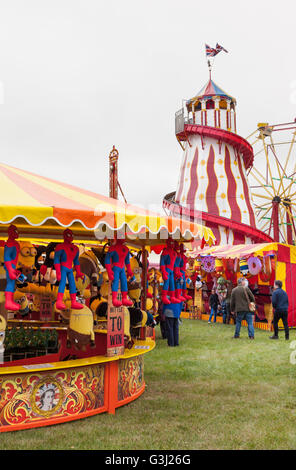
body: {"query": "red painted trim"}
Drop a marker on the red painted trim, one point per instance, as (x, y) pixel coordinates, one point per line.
(231, 188)
(52, 421)
(193, 181)
(110, 403)
(212, 188)
(217, 234)
(131, 398)
(230, 138)
(275, 221)
(256, 235)
(86, 414)
(246, 193)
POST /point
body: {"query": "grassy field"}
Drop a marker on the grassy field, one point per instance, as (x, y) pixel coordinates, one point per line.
(211, 392)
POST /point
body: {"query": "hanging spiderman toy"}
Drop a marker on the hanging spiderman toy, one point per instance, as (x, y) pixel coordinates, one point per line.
(167, 265)
(11, 253)
(117, 259)
(178, 275)
(66, 255)
(183, 264)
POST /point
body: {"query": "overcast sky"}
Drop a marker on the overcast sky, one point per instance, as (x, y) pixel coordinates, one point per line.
(79, 76)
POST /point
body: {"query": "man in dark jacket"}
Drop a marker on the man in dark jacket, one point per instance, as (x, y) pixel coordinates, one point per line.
(214, 302)
(280, 303)
(241, 297)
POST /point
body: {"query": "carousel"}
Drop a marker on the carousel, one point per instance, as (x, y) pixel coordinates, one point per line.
(78, 300)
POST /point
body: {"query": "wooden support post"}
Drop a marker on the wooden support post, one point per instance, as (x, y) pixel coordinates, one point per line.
(275, 220)
(154, 293)
(144, 287)
(113, 173)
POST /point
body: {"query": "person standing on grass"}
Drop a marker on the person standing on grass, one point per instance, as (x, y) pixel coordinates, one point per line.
(224, 310)
(241, 297)
(280, 303)
(172, 314)
(227, 302)
(214, 302)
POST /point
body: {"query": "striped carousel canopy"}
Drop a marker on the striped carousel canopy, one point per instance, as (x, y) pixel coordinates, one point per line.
(211, 89)
(236, 251)
(42, 208)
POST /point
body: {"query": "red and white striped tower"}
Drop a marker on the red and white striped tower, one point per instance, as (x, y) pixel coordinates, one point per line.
(213, 184)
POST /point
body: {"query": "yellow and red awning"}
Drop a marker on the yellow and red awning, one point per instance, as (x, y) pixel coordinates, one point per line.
(42, 207)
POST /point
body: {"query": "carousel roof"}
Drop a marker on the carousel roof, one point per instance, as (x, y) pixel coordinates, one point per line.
(42, 207)
(211, 89)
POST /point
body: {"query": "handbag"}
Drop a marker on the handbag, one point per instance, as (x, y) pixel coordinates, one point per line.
(251, 305)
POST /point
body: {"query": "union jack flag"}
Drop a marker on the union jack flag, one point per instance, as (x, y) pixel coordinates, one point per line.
(210, 52)
(220, 48)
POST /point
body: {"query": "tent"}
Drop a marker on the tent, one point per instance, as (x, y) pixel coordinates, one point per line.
(284, 266)
(43, 208)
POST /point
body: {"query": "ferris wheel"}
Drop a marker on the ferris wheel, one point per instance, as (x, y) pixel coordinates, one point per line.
(273, 180)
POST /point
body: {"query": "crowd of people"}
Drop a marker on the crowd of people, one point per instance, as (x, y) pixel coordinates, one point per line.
(237, 303)
(240, 304)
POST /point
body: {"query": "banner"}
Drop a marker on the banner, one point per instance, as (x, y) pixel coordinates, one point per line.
(115, 329)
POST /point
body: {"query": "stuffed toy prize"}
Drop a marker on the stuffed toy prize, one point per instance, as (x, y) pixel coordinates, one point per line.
(66, 255)
(11, 254)
(167, 265)
(116, 260)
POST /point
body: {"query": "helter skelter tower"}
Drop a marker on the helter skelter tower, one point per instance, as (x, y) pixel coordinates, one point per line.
(213, 184)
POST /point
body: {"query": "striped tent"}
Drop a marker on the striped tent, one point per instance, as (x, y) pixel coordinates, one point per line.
(284, 265)
(43, 208)
(212, 89)
(237, 251)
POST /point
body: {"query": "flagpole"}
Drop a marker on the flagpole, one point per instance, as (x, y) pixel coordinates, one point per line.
(210, 69)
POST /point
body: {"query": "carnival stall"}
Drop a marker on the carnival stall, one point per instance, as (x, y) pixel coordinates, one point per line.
(219, 267)
(77, 307)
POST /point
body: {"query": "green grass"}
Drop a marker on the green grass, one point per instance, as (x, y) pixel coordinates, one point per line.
(211, 392)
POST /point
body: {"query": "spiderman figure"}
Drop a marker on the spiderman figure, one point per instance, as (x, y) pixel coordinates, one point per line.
(178, 274)
(11, 253)
(117, 258)
(167, 266)
(66, 255)
(183, 263)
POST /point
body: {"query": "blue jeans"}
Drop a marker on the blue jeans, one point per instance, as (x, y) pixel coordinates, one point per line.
(119, 275)
(240, 316)
(67, 273)
(213, 313)
(172, 331)
(226, 313)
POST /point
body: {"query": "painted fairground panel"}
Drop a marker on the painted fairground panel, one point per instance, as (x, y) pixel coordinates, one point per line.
(31, 398)
(130, 377)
